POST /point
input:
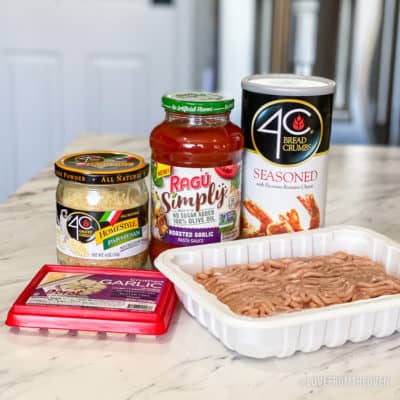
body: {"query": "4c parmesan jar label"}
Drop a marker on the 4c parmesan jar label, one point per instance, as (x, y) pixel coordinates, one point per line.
(195, 205)
(103, 234)
(286, 123)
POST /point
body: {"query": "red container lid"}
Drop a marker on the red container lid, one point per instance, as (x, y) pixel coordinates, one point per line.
(95, 299)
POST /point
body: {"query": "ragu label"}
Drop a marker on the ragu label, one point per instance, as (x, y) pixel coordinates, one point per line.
(195, 205)
(285, 163)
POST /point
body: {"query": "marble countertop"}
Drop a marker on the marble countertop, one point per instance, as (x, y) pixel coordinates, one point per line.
(187, 362)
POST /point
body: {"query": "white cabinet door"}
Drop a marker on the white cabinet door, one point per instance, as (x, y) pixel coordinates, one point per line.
(74, 66)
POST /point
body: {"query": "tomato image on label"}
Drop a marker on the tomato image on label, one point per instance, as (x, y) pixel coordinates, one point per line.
(227, 171)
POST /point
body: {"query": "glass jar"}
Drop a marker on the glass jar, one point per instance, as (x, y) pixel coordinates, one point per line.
(195, 171)
(102, 210)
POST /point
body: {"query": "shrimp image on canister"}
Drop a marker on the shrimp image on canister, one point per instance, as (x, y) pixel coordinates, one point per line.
(286, 122)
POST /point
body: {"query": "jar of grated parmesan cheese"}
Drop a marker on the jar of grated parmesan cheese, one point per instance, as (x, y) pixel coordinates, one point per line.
(102, 209)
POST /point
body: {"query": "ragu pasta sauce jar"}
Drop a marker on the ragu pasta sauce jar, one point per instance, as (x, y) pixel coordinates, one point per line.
(286, 122)
(195, 172)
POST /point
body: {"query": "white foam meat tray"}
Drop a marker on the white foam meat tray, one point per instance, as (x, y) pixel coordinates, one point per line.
(282, 335)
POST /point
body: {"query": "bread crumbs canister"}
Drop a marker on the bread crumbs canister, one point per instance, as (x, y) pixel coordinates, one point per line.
(286, 122)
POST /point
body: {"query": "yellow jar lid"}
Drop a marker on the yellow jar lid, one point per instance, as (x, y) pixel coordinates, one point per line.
(101, 167)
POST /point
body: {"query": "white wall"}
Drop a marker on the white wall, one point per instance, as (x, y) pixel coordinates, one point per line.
(75, 67)
(236, 48)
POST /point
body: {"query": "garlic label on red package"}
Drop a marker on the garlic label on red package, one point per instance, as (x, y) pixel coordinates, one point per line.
(118, 292)
(193, 206)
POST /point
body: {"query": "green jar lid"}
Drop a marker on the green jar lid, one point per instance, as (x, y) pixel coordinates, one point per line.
(197, 102)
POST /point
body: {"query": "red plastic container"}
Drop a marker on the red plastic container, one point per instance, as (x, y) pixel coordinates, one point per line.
(95, 299)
